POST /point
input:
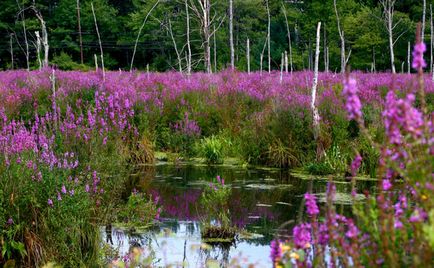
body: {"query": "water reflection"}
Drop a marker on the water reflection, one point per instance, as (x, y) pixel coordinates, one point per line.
(261, 202)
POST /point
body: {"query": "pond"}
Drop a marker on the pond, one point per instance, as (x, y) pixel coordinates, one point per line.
(264, 203)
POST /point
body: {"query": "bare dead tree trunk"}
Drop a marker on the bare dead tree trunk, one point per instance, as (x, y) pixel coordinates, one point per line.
(422, 35)
(316, 118)
(11, 50)
(23, 22)
(248, 55)
(289, 37)
(373, 60)
(388, 10)
(341, 35)
(215, 50)
(178, 55)
(269, 37)
(328, 59)
(206, 24)
(231, 33)
(408, 58)
(96, 62)
(326, 68)
(281, 68)
(262, 54)
(99, 41)
(44, 36)
(38, 49)
(286, 61)
(140, 32)
(80, 38)
(188, 39)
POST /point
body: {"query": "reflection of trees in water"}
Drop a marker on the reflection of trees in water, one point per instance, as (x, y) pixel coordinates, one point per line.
(218, 252)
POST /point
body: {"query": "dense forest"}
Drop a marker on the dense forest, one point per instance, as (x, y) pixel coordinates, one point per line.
(156, 33)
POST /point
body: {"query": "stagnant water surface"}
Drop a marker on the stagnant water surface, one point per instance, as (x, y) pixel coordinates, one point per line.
(261, 202)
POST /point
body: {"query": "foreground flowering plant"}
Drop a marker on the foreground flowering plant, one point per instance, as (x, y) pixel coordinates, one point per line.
(393, 227)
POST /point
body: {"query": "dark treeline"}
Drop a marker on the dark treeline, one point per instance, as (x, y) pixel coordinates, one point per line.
(163, 39)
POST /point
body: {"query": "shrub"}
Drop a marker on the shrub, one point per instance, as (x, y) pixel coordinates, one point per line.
(212, 149)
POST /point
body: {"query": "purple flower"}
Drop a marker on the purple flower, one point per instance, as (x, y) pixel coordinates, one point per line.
(418, 215)
(302, 236)
(387, 185)
(50, 202)
(323, 236)
(10, 221)
(352, 104)
(59, 197)
(355, 165)
(276, 251)
(418, 61)
(353, 231)
(63, 189)
(312, 208)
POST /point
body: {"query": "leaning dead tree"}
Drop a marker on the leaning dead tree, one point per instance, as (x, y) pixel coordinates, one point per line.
(38, 49)
(231, 33)
(23, 22)
(289, 37)
(99, 41)
(140, 33)
(315, 113)
(44, 39)
(80, 38)
(342, 37)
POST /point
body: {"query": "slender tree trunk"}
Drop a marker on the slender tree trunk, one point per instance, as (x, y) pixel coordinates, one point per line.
(269, 37)
(262, 55)
(316, 118)
(11, 50)
(231, 33)
(388, 9)
(325, 50)
(373, 60)
(178, 55)
(289, 37)
(215, 50)
(422, 35)
(23, 22)
(248, 56)
(80, 38)
(96, 62)
(281, 68)
(44, 36)
(38, 49)
(341, 35)
(140, 32)
(206, 30)
(328, 59)
(188, 39)
(99, 41)
(408, 58)
(430, 39)
(286, 61)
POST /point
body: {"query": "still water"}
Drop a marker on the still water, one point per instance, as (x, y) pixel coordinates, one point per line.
(264, 203)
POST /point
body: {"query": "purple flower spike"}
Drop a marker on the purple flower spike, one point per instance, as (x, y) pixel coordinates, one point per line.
(418, 61)
(312, 208)
(352, 101)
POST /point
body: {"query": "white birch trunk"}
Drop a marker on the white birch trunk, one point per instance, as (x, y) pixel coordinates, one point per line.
(281, 68)
(315, 113)
(423, 21)
(286, 61)
(44, 39)
(38, 49)
(388, 9)
(289, 37)
(178, 55)
(248, 55)
(408, 58)
(99, 41)
(231, 33)
(95, 57)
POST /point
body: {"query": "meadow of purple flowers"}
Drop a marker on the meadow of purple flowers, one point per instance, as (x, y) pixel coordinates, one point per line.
(63, 138)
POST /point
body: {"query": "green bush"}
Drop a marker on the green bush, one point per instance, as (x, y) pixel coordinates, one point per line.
(212, 149)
